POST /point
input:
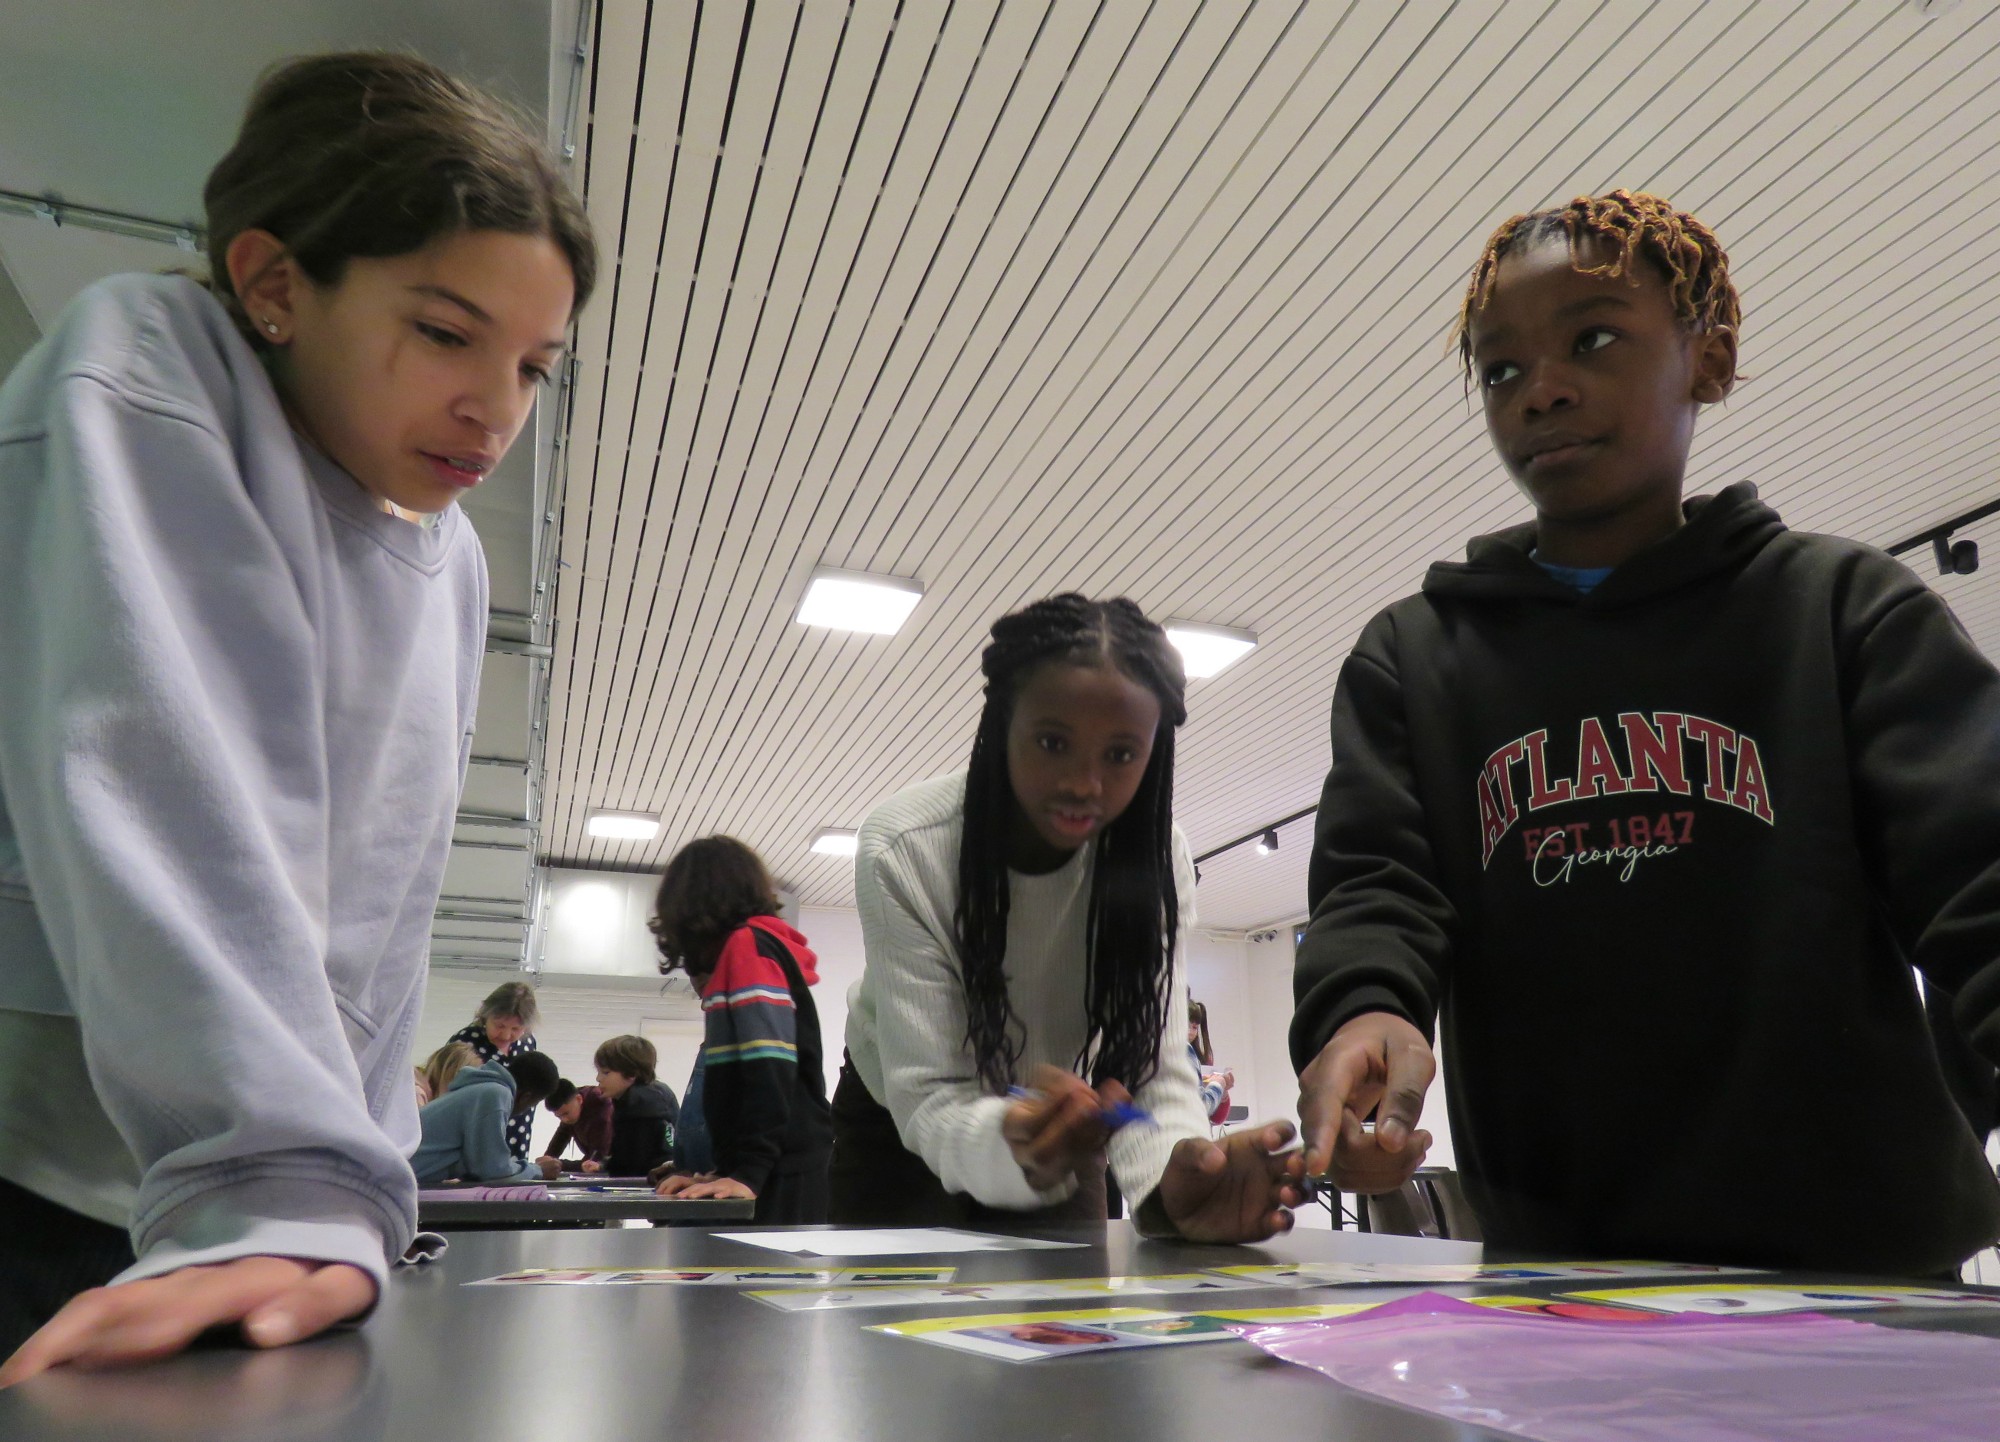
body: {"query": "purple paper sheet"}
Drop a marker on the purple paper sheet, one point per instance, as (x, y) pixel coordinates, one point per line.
(1797, 1377)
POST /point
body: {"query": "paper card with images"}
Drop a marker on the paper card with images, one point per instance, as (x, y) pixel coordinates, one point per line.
(722, 1277)
(1731, 1300)
(1039, 1336)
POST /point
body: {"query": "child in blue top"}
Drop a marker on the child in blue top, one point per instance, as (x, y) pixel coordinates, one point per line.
(241, 622)
(465, 1130)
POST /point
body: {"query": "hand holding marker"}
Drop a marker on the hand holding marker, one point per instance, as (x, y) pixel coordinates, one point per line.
(1057, 1125)
(1117, 1116)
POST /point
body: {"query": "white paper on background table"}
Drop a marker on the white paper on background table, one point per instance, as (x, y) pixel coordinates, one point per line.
(1038, 1336)
(1387, 1247)
(841, 1298)
(890, 1241)
(722, 1277)
(1339, 1274)
(1750, 1300)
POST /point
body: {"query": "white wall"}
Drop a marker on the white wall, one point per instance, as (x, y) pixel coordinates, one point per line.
(594, 923)
(835, 936)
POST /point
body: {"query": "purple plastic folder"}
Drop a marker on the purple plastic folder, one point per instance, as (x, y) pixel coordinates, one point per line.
(1798, 1377)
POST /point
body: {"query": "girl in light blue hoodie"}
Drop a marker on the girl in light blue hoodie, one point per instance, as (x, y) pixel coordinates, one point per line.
(465, 1130)
(241, 621)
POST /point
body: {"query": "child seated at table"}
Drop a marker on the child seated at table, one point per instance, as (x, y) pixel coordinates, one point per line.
(465, 1130)
(643, 1108)
(585, 1114)
(440, 1067)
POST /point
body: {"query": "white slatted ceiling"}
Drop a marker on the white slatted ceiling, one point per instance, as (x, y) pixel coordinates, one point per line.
(1014, 296)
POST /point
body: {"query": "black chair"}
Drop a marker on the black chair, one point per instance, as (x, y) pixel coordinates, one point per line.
(1430, 1204)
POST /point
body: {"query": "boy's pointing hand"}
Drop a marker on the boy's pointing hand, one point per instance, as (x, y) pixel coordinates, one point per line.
(1375, 1063)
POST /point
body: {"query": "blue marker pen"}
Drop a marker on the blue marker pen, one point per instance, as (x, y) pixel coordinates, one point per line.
(1116, 1117)
(1124, 1114)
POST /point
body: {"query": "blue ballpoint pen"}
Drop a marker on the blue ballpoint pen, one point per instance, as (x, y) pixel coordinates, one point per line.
(1116, 1116)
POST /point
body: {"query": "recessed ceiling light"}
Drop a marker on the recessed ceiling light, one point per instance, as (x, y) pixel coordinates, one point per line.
(857, 601)
(1209, 650)
(837, 842)
(622, 825)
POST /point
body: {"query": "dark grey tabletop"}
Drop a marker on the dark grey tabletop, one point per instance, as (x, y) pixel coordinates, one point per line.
(443, 1362)
(574, 1206)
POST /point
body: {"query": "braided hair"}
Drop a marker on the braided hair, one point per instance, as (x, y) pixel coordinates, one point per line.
(1134, 916)
(1630, 224)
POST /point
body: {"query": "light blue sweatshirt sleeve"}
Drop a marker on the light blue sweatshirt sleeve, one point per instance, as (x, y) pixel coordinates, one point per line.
(487, 1155)
(162, 763)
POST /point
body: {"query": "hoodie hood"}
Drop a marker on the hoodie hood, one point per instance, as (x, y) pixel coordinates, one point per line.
(1722, 533)
(649, 1099)
(491, 1074)
(793, 941)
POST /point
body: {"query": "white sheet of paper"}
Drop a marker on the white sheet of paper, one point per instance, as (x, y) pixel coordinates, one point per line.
(889, 1242)
(1384, 1247)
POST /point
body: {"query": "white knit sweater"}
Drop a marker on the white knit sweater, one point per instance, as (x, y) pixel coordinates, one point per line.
(906, 1016)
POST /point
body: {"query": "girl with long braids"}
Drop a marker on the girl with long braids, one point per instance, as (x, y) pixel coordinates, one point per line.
(1023, 923)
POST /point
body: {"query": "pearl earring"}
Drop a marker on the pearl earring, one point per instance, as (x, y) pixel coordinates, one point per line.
(271, 326)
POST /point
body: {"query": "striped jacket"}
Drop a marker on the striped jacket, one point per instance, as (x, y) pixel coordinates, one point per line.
(764, 1095)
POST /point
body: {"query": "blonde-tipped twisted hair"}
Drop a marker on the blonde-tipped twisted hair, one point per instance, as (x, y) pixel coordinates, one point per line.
(1630, 224)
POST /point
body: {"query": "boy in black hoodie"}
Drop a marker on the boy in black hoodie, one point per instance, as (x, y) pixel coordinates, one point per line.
(643, 1108)
(1658, 803)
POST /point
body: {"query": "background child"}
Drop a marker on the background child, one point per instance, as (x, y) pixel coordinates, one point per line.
(1023, 924)
(693, 1152)
(465, 1130)
(504, 1025)
(1215, 1081)
(643, 1108)
(1659, 801)
(764, 1085)
(439, 1068)
(585, 1114)
(239, 687)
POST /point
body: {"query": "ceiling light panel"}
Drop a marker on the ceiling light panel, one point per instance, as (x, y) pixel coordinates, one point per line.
(858, 601)
(623, 825)
(837, 842)
(1209, 650)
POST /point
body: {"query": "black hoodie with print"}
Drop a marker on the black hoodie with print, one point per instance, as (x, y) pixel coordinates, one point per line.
(1663, 855)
